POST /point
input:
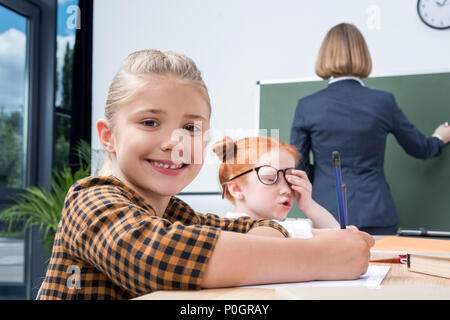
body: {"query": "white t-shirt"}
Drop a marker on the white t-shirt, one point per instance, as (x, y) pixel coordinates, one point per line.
(297, 228)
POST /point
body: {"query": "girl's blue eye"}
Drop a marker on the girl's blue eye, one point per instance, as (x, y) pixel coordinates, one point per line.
(150, 123)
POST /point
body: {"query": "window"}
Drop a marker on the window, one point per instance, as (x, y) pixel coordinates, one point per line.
(73, 96)
(45, 109)
(68, 19)
(18, 24)
(13, 103)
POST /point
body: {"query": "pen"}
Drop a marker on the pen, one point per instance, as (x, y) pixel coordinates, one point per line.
(338, 180)
(344, 200)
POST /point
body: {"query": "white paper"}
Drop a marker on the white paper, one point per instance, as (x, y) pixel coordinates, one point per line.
(388, 252)
(372, 278)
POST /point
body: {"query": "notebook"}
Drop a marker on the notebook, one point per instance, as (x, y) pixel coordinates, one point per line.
(372, 278)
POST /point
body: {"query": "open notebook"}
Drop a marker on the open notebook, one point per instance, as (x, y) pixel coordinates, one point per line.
(372, 278)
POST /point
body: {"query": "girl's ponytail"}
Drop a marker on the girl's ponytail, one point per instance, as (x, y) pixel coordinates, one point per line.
(225, 149)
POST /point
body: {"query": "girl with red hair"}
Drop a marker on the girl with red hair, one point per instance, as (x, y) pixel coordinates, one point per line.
(258, 176)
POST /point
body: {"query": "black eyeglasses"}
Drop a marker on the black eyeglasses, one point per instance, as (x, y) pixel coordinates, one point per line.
(266, 174)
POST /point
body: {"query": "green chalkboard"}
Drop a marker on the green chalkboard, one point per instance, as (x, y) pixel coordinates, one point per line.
(420, 188)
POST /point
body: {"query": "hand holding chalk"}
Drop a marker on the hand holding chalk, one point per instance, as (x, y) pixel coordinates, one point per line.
(444, 132)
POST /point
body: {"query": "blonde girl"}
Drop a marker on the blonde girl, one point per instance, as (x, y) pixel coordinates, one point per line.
(125, 234)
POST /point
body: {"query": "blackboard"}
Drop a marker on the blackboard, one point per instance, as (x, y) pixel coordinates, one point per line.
(420, 188)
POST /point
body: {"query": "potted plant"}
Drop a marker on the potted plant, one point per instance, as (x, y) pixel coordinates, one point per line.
(43, 206)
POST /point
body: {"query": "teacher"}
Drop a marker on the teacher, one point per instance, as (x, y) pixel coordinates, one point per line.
(355, 120)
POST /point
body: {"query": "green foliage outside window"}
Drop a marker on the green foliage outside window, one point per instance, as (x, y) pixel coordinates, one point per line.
(11, 153)
(43, 206)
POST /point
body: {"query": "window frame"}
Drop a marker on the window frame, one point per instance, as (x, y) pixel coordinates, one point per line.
(41, 54)
(33, 153)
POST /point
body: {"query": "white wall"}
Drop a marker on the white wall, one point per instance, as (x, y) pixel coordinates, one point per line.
(238, 42)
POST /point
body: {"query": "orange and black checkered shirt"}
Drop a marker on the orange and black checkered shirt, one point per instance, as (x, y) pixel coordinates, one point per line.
(110, 244)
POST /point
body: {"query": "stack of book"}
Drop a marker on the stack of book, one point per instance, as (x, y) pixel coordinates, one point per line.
(428, 256)
(436, 263)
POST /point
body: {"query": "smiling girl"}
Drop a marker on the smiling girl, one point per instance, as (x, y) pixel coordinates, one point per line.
(125, 234)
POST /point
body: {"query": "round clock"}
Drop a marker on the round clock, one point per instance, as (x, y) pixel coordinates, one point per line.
(434, 13)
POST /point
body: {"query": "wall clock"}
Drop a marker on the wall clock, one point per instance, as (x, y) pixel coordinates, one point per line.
(434, 13)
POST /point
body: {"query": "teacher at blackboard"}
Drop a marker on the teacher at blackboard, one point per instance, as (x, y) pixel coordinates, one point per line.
(355, 120)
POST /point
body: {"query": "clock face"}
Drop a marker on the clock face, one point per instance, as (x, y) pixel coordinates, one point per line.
(434, 13)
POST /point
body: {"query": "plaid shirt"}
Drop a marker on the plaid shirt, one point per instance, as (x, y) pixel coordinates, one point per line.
(111, 245)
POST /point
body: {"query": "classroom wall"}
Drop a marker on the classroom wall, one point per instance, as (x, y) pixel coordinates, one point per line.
(236, 43)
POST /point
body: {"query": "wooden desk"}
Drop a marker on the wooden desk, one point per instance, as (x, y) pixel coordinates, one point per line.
(399, 283)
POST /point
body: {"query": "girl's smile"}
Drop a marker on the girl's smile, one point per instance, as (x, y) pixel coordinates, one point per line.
(167, 167)
(158, 137)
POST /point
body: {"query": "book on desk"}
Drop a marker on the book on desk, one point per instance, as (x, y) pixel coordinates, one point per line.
(429, 256)
(433, 263)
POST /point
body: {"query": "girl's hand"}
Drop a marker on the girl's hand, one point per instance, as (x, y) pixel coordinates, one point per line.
(316, 231)
(302, 188)
(345, 253)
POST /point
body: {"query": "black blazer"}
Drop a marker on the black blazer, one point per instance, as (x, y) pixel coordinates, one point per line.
(355, 120)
